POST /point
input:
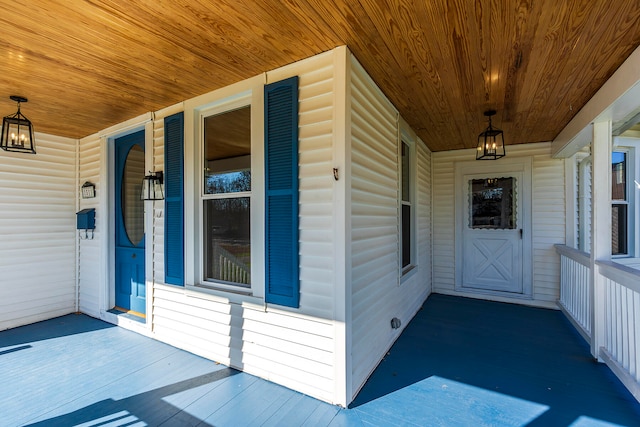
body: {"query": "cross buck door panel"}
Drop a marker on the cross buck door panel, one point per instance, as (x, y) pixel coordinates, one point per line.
(492, 233)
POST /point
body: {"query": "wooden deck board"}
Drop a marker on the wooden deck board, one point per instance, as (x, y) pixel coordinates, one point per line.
(459, 362)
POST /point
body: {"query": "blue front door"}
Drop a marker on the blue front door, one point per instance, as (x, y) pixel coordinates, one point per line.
(129, 223)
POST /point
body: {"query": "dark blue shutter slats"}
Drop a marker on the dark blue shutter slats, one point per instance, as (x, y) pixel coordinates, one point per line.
(174, 199)
(281, 172)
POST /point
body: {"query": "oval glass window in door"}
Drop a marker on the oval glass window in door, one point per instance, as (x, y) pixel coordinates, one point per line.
(132, 205)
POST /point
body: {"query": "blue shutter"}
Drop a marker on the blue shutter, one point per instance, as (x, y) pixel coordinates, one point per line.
(174, 199)
(281, 204)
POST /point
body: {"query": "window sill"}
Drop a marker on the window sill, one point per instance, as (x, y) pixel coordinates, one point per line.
(222, 295)
(240, 290)
(408, 272)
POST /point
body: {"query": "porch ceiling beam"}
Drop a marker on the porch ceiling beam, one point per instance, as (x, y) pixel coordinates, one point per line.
(620, 128)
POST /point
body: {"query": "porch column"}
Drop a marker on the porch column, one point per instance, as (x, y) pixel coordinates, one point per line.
(600, 227)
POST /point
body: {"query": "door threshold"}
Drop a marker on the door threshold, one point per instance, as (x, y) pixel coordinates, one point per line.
(129, 314)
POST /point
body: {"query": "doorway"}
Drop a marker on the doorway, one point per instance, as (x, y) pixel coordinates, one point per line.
(493, 230)
(129, 248)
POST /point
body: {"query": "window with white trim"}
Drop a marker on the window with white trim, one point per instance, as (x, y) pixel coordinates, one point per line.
(241, 192)
(226, 197)
(407, 201)
(224, 191)
(625, 197)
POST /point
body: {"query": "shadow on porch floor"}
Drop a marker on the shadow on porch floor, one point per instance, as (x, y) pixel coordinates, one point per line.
(460, 362)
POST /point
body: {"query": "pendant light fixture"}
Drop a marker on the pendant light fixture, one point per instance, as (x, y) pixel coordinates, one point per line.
(490, 141)
(17, 131)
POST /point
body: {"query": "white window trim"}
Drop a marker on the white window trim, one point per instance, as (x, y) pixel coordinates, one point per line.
(247, 92)
(408, 137)
(631, 146)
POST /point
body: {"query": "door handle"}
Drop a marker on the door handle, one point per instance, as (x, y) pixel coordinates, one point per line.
(521, 233)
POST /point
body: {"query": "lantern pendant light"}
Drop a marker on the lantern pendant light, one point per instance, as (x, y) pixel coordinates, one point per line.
(17, 131)
(490, 141)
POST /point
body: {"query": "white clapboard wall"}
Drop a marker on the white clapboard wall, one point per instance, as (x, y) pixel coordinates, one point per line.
(378, 293)
(38, 194)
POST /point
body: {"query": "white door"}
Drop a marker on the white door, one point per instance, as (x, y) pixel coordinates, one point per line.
(492, 230)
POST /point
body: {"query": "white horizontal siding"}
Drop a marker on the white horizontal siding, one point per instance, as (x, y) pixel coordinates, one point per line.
(424, 211)
(374, 222)
(90, 257)
(549, 223)
(377, 295)
(37, 232)
(417, 287)
(197, 325)
(291, 350)
(316, 110)
(548, 218)
(443, 197)
(294, 351)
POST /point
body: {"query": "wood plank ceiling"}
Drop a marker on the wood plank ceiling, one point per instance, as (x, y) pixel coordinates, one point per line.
(87, 65)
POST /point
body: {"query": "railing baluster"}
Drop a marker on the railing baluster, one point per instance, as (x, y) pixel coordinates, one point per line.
(624, 315)
(574, 287)
(618, 322)
(622, 323)
(636, 335)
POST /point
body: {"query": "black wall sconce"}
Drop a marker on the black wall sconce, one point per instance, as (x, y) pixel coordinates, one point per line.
(490, 141)
(153, 186)
(17, 131)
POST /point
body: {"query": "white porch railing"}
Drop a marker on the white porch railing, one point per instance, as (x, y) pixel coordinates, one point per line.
(621, 350)
(575, 291)
(620, 318)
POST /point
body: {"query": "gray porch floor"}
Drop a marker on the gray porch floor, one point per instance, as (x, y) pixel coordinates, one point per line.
(460, 362)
